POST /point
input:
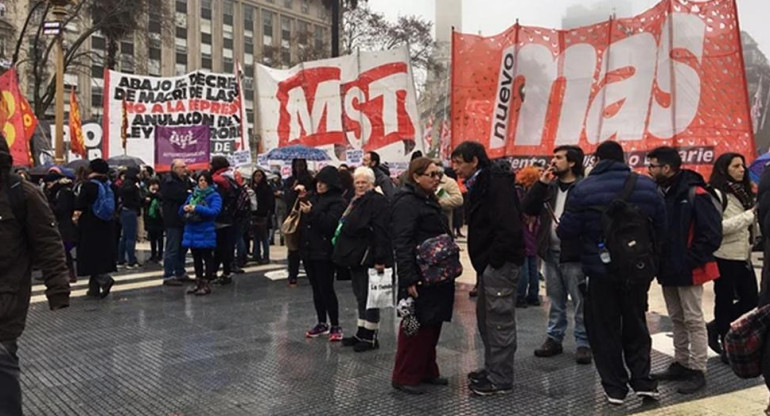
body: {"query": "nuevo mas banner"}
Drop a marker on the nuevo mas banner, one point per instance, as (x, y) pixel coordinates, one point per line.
(365, 101)
(196, 99)
(671, 76)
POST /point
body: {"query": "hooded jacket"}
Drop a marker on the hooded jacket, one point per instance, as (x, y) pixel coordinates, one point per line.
(318, 225)
(296, 178)
(382, 179)
(604, 184)
(130, 193)
(695, 233)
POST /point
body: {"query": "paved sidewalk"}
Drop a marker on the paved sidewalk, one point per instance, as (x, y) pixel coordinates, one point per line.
(152, 350)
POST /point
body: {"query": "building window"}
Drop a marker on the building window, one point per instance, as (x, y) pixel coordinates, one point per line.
(181, 6)
(96, 96)
(206, 38)
(98, 43)
(154, 53)
(323, 12)
(228, 43)
(181, 32)
(206, 62)
(228, 65)
(248, 45)
(181, 58)
(305, 6)
(248, 70)
(153, 67)
(227, 14)
(287, 3)
(285, 40)
(319, 38)
(127, 63)
(181, 69)
(127, 48)
(248, 18)
(206, 9)
(302, 32)
(97, 71)
(267, 28)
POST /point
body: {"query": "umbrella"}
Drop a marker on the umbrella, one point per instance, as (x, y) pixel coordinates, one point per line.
(77, 164)
(40, 170)
(125, 161)
(758, 165)
(297, 152)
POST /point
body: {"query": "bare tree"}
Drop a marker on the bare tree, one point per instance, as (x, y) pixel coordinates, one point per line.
(114, 19)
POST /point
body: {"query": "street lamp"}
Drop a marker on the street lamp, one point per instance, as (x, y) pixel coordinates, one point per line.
(60, 12)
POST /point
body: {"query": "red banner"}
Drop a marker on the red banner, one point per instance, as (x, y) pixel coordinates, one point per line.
(671, 76)
(17, 122)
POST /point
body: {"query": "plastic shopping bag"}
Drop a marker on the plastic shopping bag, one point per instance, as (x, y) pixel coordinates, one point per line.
(380, 289)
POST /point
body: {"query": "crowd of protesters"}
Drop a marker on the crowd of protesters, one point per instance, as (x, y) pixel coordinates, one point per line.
(562, 218)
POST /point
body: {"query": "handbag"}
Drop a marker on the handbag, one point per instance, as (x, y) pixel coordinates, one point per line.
(438, 259)
(290, 228)
(744, 342)
(380, 293)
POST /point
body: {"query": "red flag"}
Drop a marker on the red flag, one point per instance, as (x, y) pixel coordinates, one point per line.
(124, 126)
(12, 118)
(427, 135)
(76, 127)
(446, 139)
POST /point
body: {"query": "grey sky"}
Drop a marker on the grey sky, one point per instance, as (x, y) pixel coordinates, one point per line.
(494, 16)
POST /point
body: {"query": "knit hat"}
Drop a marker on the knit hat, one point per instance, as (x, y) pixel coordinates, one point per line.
(330, 176)
(99, 166)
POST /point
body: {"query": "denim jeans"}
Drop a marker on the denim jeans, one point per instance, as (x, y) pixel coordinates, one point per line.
(561, 280)
(529, 283)
(10, 387)
(127, 244)
(173, 259)
(264, 253)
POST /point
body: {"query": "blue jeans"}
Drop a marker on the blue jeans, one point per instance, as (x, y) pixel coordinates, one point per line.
(530, 279)
(263, 254)
(127, 244)
(10, 387)
(173, 257)
(562, 279)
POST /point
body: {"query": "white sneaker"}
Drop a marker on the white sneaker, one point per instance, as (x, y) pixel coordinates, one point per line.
(653, 394)
(613, 400)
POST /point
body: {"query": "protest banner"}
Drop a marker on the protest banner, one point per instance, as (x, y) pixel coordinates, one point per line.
(92, 139)
(190, 144)
(196, 99)
(672, 75)
(364, 101)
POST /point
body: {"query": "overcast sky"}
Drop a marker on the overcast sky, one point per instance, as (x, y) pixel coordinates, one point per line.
(494, 16)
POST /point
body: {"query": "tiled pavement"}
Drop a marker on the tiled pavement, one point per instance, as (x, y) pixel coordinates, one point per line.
(152, 350)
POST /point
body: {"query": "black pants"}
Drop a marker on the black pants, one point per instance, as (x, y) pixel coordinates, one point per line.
(225, 250)
(10, 388)
(321, 276)
(736, 281)
(360, 281)
(294, 259)
(156, 243)
(203, 261)
(617, 331)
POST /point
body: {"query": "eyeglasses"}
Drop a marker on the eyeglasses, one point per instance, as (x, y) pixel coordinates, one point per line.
(434, 175)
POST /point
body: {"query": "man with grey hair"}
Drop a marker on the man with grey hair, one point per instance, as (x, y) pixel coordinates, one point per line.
(361, 243)
(174, 190)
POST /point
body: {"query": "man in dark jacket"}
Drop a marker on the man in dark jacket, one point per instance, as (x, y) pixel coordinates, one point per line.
(615, 307)
(496, 249)
(28, 235)
(763, 216)
(687, 262)
(175, 189)
(563, 272)
(299, 177)
(381, 174)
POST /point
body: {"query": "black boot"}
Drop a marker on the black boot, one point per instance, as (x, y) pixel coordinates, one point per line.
(368, 341)
(193, 289)
(352, 341)
(713, 337)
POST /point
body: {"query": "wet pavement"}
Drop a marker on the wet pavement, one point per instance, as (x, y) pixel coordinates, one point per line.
(149, 349)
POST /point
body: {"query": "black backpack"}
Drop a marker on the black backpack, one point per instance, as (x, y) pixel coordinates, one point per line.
(628, 237)
(236, 202)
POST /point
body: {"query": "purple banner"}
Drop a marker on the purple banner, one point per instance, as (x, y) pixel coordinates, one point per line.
(190, 144)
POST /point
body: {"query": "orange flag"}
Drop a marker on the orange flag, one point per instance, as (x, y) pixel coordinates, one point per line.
(17, 122)
(76, 127)
(124, 127)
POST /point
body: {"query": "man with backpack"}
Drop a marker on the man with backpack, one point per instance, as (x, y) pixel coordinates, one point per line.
(687, 262)
(619, 218)
(496, 249)
(28, 235)
(563, 274)
(94, 215)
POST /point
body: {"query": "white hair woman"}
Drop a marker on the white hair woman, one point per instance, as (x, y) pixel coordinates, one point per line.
(362, 242)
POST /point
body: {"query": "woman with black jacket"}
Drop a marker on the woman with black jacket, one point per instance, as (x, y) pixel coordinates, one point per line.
(320, 213)
(417, 216)
(261, 217)
(362, 242)
(61, 198)
(131, 207)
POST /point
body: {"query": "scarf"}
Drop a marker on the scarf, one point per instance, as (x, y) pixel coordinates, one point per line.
(199, 196)
(739, 191)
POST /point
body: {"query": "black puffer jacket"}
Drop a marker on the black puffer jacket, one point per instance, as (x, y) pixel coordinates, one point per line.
(319, 224)
(364, 238)
(416, 218)
(130, 193)
(61, 199)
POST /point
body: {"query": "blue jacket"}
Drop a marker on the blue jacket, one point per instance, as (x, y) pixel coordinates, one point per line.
(604, 184)
(694, 236)
(202, 234)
